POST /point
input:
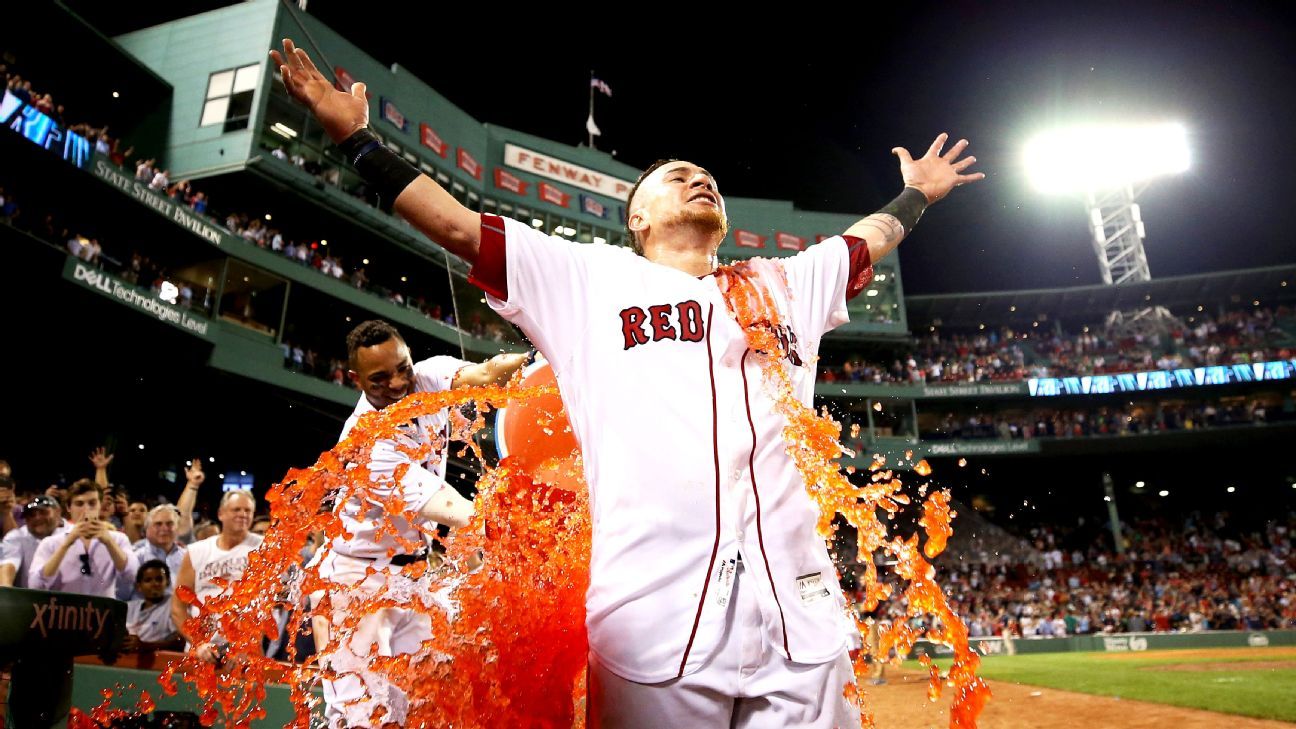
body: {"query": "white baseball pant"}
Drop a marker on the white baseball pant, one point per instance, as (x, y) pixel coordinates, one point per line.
(745, 685)
(351, 698)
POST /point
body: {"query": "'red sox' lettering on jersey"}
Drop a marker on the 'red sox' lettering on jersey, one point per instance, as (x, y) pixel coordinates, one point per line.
(682, 321)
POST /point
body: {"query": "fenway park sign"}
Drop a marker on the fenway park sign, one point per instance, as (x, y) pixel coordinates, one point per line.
(538, 163)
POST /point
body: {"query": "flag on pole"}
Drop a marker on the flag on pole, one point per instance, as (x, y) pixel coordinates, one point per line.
(590, 126)
(601, 86)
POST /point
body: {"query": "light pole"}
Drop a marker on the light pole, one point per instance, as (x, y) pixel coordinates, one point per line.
(1111, 166)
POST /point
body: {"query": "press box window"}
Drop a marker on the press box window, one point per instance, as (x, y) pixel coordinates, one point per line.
(229, 97)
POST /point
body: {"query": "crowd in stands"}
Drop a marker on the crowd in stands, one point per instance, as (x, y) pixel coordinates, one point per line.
(1199, 572)
(1004, 354)
(1117, 420)
(91, 537)
(310, 252)
(45, 103)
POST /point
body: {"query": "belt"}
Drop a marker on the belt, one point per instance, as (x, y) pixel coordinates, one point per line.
(399, 560)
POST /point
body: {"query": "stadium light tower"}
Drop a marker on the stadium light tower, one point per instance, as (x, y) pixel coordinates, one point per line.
(1111, 166)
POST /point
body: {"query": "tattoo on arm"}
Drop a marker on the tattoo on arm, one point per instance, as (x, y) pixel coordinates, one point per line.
(888, 225)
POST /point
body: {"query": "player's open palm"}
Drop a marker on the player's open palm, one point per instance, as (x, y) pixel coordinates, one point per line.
(339, 112)
(935, 174)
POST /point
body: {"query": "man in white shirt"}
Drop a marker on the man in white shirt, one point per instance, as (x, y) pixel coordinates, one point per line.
(381, 367)
(43, 518)
(223, 556)
(87, 558)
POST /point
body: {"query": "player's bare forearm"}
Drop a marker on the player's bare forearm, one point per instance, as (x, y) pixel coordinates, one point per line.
(494, 371)
(440, 217)
(882, 232)
(344, 115)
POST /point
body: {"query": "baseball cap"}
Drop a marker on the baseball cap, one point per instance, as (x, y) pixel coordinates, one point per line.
(40, 502)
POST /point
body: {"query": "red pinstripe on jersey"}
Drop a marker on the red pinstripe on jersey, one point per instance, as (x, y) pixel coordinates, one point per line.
(715, 449)
(760, 533)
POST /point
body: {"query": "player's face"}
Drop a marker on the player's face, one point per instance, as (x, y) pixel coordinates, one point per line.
(236, 515)
(384, 372)
(679, 194)
(152, 584)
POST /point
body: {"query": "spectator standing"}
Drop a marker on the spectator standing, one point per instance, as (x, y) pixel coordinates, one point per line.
(159, 543)
(161, 180)
(133, 523)
(89, 557)
(43, 518)
(222, 557)
(7, 521)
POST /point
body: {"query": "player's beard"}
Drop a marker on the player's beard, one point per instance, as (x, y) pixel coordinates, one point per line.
(705, 218)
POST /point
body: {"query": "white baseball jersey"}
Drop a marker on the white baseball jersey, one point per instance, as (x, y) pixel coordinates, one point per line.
(421, 480)
(683, 450)
(210, 561)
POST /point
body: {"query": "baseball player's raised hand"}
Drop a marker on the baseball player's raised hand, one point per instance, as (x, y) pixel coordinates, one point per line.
(339, 112)
(935, 174)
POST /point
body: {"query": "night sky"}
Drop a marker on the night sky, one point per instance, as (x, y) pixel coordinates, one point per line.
(807, 109)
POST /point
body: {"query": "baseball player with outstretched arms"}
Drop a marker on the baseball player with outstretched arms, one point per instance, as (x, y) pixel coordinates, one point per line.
(381, 366)
(712, 600)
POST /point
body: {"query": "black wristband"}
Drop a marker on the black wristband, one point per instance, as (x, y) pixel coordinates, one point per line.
(386, 172)
(907, 207)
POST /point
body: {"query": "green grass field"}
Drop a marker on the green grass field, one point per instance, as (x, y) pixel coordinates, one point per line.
(1234, 685)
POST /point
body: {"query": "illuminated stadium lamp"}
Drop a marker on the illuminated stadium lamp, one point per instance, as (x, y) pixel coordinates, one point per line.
(1093, 158)
(1139, 484)
(1163, 493)
(1231, 489)
(1110, 165)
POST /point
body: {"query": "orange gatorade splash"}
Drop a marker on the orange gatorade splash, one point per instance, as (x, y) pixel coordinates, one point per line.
(508, 645)
(814, 443)
(514, 652)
